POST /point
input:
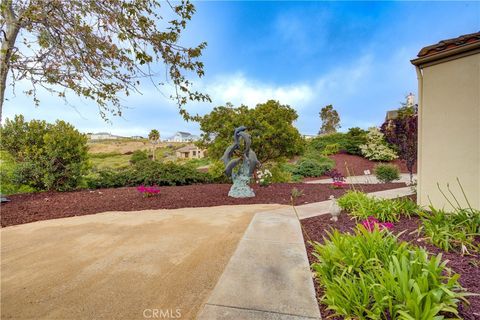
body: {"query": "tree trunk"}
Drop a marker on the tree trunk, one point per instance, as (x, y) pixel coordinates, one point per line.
(153, 152)
(8, 43)
(410, 165)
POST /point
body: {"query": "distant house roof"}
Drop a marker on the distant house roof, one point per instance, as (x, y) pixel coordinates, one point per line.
(448, 47)
(187, 148)
(102, 133)
(183, 133)
(391, 115)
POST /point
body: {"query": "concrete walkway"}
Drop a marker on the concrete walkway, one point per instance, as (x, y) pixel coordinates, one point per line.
(370, 179)
(268, 276)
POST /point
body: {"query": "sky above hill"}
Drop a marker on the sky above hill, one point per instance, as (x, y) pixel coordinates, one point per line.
(354, 55)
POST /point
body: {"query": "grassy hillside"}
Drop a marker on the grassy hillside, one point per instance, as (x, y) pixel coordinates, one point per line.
(110, 160)
(115, 154)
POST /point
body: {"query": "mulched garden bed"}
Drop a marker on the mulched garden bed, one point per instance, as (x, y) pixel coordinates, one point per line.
(356, 164)
(467, 266)
(25, 208)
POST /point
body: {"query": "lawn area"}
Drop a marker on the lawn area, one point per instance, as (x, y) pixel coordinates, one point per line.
(109, 160)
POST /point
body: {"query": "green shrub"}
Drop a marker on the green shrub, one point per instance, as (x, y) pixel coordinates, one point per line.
(8, 170)
(372, 275)
(355, 137)
(150, 173)
(331, 149)
(313, 167)
(138, 155)
(217, 172)
(166, 174)
(387, 172)
(195, 162)
(49, 156)
(281, 171)
(349, 142)
(452, 230)
(321, 142)
(361, 206)
(109, 178)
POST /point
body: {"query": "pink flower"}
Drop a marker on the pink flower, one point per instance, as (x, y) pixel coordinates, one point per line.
(338, 184)
(371, 222)
(387, 225)
(148, 191)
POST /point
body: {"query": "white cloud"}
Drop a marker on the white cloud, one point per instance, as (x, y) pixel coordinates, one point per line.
(238, 89)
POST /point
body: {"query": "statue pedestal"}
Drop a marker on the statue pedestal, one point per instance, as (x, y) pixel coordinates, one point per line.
(240, 187)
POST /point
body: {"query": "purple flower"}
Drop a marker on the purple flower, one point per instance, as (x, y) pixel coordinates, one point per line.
(335, 175)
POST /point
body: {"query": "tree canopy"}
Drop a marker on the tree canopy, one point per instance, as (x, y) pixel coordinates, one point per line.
(154, 135)
(270, 124)
(98, 49)
(330, 120)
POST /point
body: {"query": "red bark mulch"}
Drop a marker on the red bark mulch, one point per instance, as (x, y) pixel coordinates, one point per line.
(466, 266)
(356, 164)
(24, 208)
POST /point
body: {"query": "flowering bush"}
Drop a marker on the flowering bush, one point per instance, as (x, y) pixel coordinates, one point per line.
(148, 191)
(376, 148)
(371, 223)
(264, 177)
(338, 185)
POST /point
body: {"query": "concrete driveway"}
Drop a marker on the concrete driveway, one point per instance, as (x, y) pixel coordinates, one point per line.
(154, 264)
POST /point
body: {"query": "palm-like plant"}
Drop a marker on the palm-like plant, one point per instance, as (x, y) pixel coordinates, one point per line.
(154, 137)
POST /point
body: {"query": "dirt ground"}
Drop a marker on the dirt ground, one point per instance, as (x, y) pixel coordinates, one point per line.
(356, 164)
(119, 265)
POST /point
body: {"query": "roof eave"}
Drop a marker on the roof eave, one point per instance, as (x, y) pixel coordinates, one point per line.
(460, 50)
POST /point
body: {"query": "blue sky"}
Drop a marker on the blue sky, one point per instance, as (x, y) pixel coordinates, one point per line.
(354, 55)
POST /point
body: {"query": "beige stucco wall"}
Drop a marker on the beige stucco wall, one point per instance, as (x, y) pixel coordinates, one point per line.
(449, 131)
(198, 154)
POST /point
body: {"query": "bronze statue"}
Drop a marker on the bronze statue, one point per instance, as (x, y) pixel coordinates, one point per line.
(248, 160)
